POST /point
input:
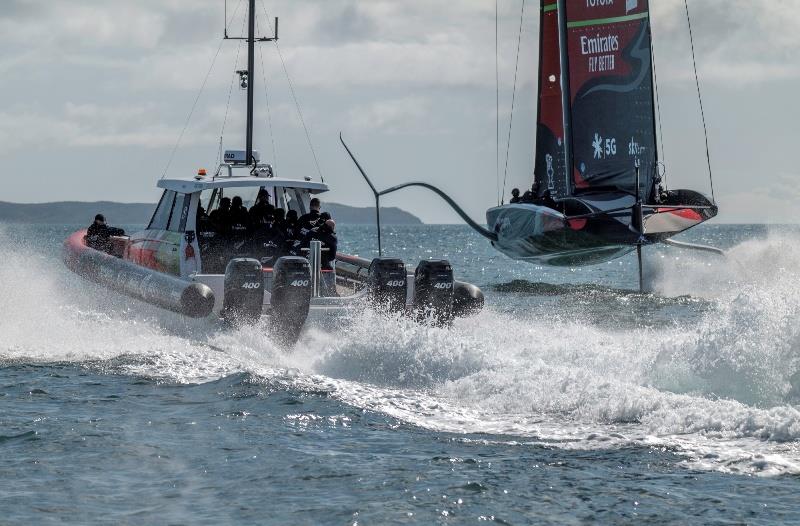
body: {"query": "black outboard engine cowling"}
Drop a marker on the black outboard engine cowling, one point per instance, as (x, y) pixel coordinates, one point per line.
(291, 298)
(244, 291)
(388, 284)
(433, 291)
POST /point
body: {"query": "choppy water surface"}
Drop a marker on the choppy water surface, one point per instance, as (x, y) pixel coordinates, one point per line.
(571, 398)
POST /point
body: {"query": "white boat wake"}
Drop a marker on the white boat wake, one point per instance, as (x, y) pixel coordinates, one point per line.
(721, 392)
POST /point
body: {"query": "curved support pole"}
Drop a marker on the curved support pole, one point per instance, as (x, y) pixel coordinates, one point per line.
(488, 234)
(374, 192)
(692, 246)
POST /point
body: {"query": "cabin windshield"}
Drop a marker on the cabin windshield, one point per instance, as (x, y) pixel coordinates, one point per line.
(262, 232)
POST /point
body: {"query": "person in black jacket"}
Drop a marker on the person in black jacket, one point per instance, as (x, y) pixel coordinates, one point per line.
(260, 210)
(98, 234)
(239, 227)
(326, 233)
(268, 241)
(308, 221)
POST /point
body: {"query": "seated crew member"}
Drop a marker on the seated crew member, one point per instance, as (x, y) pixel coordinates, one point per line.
(239, 226)
(261, 208)
(208, 241)
(222, 215)
(515, 196)
(290, 233)
(309, 220)
(98, 234)
(280, 217)
(326, 233)
(268, 241)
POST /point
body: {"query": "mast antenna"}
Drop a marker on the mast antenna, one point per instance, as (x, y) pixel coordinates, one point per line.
(247, 77)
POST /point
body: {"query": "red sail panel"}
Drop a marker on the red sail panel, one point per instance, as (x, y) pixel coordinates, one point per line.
(613, 123)
(549, 170)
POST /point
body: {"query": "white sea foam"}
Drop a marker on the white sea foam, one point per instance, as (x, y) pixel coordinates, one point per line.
(720, 392)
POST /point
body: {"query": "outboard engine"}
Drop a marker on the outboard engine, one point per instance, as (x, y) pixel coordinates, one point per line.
(291, 298)
(244, 291)
(388, 284)
(433, 291)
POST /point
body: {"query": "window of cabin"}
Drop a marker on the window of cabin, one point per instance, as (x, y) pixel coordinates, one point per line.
(160, 218)
(294, 201)
(180, 211)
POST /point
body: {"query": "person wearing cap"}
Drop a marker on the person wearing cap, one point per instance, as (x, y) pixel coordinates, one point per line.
(98, 234)
(515, 196)
(260, 209)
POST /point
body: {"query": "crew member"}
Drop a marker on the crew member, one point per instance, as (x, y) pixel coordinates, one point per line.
(268, 241)
(515, 196)
(309, 220)
(261, 208)
(221, 216)
(290, 232)
(98, 234)
(326, 233)
(208, 241)
(239, 226)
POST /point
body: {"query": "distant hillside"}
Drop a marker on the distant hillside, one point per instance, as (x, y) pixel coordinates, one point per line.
(73, 212)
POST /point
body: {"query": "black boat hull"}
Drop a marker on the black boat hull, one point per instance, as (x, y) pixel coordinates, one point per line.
(596, 229)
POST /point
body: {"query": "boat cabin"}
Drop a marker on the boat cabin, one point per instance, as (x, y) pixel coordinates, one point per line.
(175, 240)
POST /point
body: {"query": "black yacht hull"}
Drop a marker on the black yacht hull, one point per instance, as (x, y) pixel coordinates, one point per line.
(594, 230)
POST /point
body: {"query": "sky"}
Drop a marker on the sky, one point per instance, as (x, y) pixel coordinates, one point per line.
(96, 94)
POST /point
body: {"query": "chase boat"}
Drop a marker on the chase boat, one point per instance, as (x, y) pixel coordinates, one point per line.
(175, 262)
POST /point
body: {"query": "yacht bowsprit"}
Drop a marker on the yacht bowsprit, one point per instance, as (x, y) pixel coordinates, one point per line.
(185, 262)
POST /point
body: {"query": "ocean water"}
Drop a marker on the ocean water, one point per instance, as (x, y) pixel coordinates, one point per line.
(570, 399)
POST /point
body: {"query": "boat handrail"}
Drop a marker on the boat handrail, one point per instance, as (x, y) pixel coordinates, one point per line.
(257, 170)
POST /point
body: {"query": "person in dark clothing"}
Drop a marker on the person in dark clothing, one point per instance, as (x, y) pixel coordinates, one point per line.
(309, 220)
(515, 196)
(290, 232)
(239, 226)
(261, 208)
(268, 241)
(326, 233)
(280, 217)
(208, 239)
(221, 217)
(98, 234)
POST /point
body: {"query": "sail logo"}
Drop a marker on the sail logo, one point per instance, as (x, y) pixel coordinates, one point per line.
(551, 184)
(635, 149)
(601, 49)
(599, 44)
(604, 148)
(599, 3)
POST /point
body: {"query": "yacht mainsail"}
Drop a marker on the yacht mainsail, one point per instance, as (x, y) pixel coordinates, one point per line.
(610, 111)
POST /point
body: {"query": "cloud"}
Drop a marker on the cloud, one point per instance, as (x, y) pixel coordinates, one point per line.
(737, 42)
(393, 116)
(92, 125)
